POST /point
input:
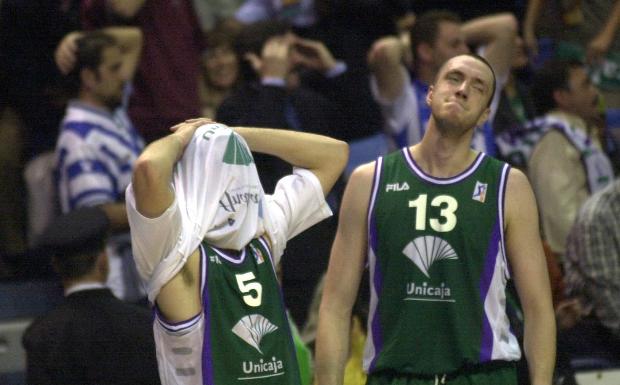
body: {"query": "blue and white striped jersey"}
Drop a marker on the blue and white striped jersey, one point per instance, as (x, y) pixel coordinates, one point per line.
(96, 151)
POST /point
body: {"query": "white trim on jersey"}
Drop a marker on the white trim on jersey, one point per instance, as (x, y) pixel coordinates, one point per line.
(441, 181)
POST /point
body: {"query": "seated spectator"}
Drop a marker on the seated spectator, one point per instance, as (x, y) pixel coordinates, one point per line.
(592, 271)
(98, 145)
(91, 338)
(568, 163)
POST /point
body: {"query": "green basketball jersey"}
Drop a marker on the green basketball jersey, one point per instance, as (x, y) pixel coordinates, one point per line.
(247, 338)
(438, 269)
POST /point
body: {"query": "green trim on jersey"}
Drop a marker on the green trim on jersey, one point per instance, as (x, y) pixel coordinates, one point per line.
(247, 337)
(438, 268)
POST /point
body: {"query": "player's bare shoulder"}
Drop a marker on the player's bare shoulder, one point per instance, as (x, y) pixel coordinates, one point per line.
(359, 186)
(519, 195)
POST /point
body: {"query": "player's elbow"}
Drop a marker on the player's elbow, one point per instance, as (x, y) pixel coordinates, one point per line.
(146, 174)
(341, 155)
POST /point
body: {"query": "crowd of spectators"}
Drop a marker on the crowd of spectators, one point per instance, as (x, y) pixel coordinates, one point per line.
(356, 71)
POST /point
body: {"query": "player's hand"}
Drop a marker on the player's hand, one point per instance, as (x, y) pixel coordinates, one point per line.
(66, 52)
(185, 131)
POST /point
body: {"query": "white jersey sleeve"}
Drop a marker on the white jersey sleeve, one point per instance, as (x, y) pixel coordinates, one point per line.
(152, 238)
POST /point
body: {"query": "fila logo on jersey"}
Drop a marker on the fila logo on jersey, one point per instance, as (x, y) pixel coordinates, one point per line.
(480, 192)
(396, 187)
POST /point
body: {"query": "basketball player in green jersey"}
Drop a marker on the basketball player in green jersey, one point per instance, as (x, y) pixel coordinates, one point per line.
(442, 228)
(220, 320)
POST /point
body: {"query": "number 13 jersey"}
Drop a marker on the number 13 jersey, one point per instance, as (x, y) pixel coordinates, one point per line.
(438, 268)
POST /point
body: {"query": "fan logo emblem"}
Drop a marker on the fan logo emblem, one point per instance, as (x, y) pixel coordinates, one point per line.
(252, 328)
(424, 251)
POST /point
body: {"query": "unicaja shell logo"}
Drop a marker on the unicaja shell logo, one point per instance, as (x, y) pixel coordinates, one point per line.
(426, 250)
(252, 328)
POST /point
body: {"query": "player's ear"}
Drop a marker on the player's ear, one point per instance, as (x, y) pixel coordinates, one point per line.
(429, 95)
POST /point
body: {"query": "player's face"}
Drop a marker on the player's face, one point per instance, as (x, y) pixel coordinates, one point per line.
(461, 92)
(449, 43)
(108, 87)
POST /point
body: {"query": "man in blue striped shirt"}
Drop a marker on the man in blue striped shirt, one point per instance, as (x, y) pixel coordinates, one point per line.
(98, 145)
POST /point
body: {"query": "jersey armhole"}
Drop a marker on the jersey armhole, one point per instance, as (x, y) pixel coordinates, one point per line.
(180, 326)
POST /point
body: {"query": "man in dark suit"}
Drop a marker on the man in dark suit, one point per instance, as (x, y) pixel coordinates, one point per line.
(93, 337)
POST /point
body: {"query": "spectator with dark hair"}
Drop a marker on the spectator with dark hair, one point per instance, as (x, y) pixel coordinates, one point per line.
(435, 37)
(93, 337)
(568, 164)
(98, 145)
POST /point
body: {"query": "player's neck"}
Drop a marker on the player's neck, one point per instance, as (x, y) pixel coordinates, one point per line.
(443, 157)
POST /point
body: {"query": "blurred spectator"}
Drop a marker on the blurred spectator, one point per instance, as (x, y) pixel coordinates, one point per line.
(91, 338)
(579, 30)
(297, 13)
(271, 96)
(436, 37)
(592, 267)
(98, 145)
(567, 164)
(220, 70)
(211, 13)
(165, 89)
(513, 136)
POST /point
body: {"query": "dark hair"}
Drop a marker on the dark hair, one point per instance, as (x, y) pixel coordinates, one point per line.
(485, 62)
(88, 54)
(554, 75)
(426, 28)
(222, 35)
(75, 265)
(75, 240)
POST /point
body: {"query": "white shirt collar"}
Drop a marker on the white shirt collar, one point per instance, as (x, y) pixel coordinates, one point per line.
(84, 286)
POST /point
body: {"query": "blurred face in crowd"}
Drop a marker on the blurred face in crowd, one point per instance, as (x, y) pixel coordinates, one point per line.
(461, 93)
(449, 43)
(106, 84)
(581, 97)
(221, 67)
